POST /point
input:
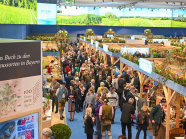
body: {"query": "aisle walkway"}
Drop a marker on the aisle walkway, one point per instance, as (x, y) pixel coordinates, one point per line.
(78, 131)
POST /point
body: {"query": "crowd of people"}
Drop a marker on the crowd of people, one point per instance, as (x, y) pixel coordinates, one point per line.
(89, 87)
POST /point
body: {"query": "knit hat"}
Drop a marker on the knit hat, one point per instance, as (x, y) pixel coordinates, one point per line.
(47, 132)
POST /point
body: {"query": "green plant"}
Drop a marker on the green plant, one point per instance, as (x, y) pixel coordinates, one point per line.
(61, 131)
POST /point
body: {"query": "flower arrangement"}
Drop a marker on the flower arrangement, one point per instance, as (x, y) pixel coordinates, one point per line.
(169, 74)
(131, 58)
(62, 34)
(42, 38)
(159, 54)
(50, 50)
(89, 32)
(114, 50)
(101, 45)
(115, 40)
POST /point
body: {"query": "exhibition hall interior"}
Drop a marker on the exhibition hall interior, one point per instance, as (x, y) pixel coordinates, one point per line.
(92, 69)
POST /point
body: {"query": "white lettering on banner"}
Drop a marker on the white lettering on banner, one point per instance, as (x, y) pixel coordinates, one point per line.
(145, 65)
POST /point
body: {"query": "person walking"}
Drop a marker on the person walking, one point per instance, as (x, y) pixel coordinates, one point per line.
(89, 122)
(98, 122)
(113, 100)
(54, 86)
(126, 117)
(105, 116)
(61, 93)
(142, 121)
(71, 102)
(157, 116)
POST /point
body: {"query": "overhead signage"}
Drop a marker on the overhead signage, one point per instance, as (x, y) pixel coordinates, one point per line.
(91, 42)
(146, 65)
(97, 44)
(105, 47)
(134, 50)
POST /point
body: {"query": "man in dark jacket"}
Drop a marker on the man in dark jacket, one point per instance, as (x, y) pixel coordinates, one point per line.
(68, 80)
(137, 82)
(126, 116)
(157, 116)
(121, 83)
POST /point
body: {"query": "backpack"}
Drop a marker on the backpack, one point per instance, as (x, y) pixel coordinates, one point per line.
(142, 118)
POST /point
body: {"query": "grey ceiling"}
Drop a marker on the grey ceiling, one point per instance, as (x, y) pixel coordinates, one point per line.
(131, 3)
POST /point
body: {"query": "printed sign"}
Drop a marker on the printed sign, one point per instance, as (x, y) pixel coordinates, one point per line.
(20, 80)
(20, 95)
(84, 39)
(105, 47)
(91, 42)
(134, 50)
(146, 65)
(97, 44)
(26, 127)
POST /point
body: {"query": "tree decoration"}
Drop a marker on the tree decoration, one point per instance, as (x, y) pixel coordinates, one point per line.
(89, 32)
(61, 38)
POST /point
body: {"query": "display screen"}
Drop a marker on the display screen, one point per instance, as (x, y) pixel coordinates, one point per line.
(18, 12)
(33, 12)
(26, 127)
(108, 16)
(46, 14)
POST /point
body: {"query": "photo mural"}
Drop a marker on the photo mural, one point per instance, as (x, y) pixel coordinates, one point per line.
(143, 17)
(18, 12)
(33, 12)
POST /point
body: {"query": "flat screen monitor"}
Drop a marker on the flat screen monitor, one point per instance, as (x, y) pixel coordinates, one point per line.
(26, 127)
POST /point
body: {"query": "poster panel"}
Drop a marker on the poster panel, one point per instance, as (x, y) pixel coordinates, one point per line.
(20, 95)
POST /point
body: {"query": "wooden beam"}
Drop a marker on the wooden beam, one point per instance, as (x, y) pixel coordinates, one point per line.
(172, 96)
(121, 68)
(145, 82)
(178, 111)
(115, 62)
(112, 62)
(168, 114)
(165, 91)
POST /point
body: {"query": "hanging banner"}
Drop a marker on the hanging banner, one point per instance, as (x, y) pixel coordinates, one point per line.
(91, 42)
(146, 65)
(105, 47)
(97, 44)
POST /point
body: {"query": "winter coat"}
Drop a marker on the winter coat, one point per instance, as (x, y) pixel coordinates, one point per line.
(157, 114)
(127, 112)
(89, 126)
(142, 120)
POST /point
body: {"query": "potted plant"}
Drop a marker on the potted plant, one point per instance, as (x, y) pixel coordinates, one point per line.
(61, 131)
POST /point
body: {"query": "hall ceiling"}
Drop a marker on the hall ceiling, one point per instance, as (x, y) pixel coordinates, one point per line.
(169, 4)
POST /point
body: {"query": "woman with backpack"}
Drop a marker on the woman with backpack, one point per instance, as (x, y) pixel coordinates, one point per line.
(142, 121)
